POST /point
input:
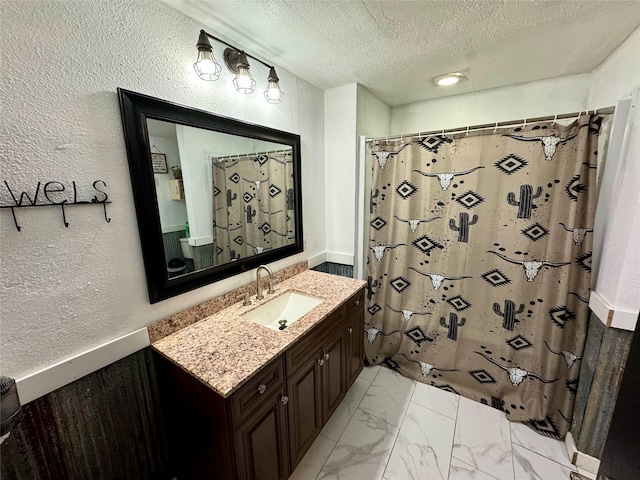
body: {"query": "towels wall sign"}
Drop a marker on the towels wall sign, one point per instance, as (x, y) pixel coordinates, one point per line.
(56, 194)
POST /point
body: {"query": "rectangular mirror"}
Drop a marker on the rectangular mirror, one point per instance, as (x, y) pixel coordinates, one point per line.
(214, 196)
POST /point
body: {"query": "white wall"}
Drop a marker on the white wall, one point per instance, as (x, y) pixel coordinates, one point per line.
(340, 111)
(373, 115)
(350, 110)
(618, 282)
(373, 120)
(65, 290)
(534, 99)
(198, 178)
(173, 213)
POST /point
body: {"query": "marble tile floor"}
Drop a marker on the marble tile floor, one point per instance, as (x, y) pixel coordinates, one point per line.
(389, 427)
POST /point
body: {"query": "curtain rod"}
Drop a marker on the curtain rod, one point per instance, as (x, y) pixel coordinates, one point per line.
(488, 126)
(249, 155)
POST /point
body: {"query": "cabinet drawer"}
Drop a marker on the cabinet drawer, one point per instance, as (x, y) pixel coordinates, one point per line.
(256, 391)
(310, 344)
(355, 304)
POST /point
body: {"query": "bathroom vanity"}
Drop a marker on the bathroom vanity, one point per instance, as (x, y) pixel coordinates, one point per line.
(243, 401)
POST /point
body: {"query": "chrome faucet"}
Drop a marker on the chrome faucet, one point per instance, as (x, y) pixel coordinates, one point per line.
(259, 296)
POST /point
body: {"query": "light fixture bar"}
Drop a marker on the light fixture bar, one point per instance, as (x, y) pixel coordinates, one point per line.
(236, 48)
(236, 61)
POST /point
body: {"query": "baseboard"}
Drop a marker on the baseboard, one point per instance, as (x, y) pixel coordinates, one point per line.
(42, 382)
(622, 319)
(316, 260)
(581, 460)
(340, 258)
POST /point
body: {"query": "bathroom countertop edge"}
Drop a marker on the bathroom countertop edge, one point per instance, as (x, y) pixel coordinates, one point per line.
(223, 351)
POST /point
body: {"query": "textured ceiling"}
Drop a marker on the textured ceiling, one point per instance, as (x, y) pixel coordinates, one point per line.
(395, 48)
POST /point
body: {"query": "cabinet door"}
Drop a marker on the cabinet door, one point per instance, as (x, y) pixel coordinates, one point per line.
(261, 443)
(305, 407)
(355, 347)
(333, 373)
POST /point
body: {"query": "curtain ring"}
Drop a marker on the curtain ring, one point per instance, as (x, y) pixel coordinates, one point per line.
(401, 136)
(579, 115)
(496, 128)
(555, 119)
(525, 123)
(467, 131)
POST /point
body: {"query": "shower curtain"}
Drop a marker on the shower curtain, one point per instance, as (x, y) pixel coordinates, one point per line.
(479, 264)
(252, 204)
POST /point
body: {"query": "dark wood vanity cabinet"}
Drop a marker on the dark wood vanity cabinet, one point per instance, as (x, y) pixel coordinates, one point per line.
(305, 408)
(262, 431)
(354, 335)
(317, 381)
(259, 425)
(261, 443)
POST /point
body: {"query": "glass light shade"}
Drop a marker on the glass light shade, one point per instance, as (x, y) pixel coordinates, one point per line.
(206, 66)
(273, 94)
(244, 82)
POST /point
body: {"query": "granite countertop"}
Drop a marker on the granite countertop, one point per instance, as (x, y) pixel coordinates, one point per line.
(223, 351)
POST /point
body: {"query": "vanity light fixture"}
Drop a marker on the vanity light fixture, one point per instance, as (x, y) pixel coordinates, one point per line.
(237, 62)
(273, 94)
(449, 79)
(206, 66)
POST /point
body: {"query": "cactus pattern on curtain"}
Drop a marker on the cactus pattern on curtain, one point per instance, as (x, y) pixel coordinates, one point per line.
(252, 204)
(479, 264)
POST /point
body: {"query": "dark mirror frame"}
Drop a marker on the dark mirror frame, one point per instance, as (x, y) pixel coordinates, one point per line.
(135, 109)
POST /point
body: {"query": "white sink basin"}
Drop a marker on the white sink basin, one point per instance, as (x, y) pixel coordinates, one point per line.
(290, 306)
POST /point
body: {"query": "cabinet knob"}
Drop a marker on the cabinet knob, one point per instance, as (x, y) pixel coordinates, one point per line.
(321, 362)
(326, 356)
(284, 400)
(356, 303)
(349, 330)
(262, 388)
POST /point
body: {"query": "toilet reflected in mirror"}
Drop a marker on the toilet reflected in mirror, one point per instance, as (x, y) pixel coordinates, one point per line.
(187, 251)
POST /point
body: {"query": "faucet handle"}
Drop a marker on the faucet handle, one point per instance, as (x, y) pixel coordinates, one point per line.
(245, 299)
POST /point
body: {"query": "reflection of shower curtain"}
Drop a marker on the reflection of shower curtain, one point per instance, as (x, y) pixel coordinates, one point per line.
(479, 265)
(252, 204)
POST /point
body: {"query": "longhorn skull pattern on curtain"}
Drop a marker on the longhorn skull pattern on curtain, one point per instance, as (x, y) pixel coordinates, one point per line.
(253, 202)
(479, 264)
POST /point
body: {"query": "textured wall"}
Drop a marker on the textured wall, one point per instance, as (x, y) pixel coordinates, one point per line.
(65, 290)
